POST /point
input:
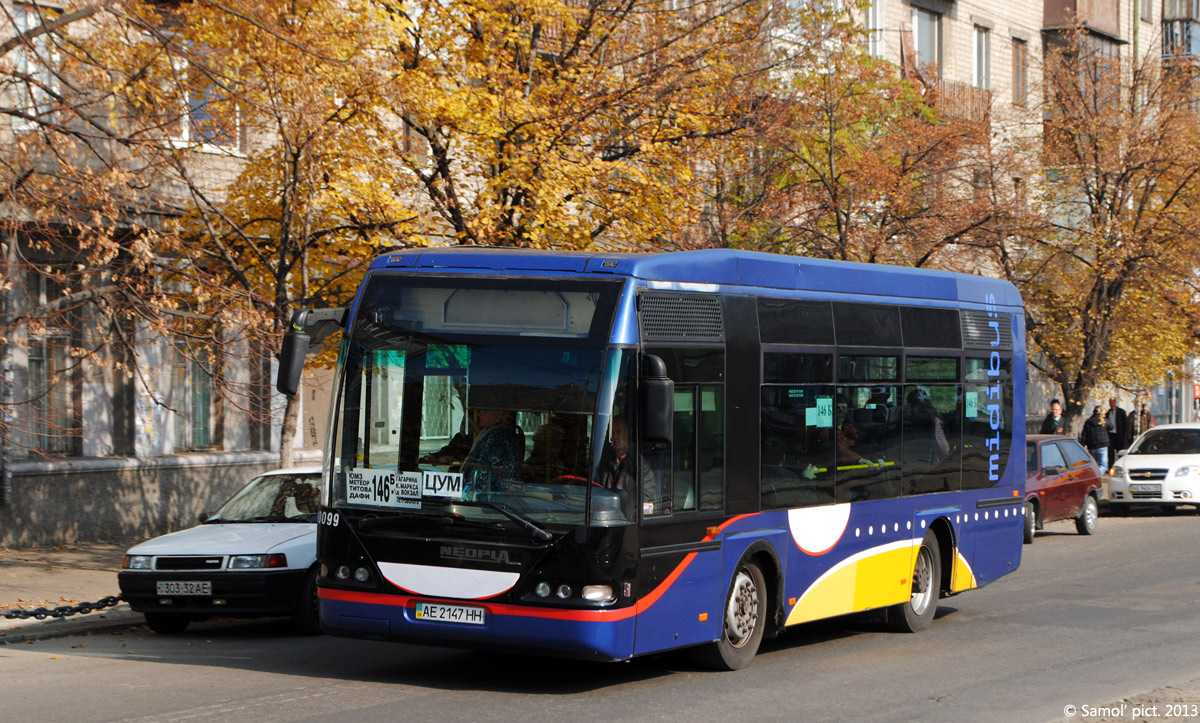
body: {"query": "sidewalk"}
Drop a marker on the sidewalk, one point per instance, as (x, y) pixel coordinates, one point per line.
(61, 575)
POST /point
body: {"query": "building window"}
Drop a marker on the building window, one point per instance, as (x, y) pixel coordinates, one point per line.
(1020, 72)
(1147, 8)
(34, 60)
(927, 31)
(875, 28)
(983, 57)
(51, 368)
(191, 399)
(208, 117)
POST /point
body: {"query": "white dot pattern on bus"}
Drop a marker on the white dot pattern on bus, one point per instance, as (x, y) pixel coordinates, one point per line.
(960, 519)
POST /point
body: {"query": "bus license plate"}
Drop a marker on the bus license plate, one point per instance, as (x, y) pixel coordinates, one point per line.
(184, 587)
(1145, 488)
(450, 613)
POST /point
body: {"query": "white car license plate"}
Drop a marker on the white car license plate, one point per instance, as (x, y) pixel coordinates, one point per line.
(184, 587)
(1145, 488)
(450, 613)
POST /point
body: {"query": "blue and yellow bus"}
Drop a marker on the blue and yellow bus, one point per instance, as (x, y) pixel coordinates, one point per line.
(604, 455)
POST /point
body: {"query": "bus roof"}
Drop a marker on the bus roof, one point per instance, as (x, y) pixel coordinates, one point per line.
(727, 267)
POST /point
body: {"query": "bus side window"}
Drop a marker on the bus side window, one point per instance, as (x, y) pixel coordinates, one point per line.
(711, 457)
(684, 462)
(698, 468)
(797, 445)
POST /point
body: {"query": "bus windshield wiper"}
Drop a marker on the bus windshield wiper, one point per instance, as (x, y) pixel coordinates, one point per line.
(531, 526)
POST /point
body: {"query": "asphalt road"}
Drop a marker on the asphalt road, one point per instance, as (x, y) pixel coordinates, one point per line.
(1083, 622)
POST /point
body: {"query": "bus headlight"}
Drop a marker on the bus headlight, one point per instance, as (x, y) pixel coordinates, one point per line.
(564, 591)
(598, 593)
(542, 589)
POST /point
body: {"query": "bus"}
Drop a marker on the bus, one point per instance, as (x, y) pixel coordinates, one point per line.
(606, 455)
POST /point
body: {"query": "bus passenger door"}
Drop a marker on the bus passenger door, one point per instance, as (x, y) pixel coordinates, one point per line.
(679, 563)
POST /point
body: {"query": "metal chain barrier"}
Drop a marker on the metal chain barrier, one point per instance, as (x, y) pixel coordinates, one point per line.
(63, 611)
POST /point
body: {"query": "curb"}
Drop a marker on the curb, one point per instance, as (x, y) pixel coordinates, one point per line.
(27, 631)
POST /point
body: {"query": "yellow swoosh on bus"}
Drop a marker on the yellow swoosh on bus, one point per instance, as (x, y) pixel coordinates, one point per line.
(962, 577)
(873, 578)
(877, 577)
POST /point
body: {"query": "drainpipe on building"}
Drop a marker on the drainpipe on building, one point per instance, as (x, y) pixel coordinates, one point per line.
(1137, 26)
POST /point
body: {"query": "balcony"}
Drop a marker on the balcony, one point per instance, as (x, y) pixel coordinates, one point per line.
(1181, 10)
(1100, 16)
(960, 101)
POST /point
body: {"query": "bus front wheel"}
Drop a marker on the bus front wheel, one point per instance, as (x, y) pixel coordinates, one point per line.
(917, 612)
(743, 619)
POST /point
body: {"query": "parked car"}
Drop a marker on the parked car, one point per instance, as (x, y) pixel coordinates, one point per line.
(1161, 467)
(1062, 482)
(255, 556)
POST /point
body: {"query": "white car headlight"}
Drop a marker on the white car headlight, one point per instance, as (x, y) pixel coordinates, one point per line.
(1118, 471)
(137, 562)
(246, 562)
(1187, 470)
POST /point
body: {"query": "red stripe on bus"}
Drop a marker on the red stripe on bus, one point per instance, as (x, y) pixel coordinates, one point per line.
(642, 605)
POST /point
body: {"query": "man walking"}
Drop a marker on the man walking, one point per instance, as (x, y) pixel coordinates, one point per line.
(1053, 423)
(1119, 421)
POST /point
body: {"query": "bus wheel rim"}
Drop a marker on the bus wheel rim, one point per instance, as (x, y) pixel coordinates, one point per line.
(922, 590)
(741, 616)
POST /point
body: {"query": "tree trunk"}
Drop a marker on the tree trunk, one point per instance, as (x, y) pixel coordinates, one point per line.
(287, 441)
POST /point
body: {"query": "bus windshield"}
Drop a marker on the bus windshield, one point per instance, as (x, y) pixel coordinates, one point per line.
(465, 397)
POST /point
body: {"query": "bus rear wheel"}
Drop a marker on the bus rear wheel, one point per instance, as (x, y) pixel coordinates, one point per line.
(743, 620)
(917, 613)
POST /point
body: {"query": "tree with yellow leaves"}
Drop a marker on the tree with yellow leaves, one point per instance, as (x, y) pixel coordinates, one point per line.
(565, 123)
(1109, 282)
(853, 160)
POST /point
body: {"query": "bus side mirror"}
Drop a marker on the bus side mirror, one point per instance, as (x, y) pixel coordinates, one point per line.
(296, 340)
(291, 361)
(658, 401)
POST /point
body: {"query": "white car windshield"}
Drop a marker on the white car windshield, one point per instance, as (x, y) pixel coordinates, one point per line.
(1168, 441)
(273, 498)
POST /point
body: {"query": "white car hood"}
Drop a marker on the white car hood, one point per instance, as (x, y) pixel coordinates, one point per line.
(250, 538)
(1157, 461)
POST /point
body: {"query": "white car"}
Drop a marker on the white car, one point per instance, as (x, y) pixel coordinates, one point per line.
(255, 556)
(1162, 467)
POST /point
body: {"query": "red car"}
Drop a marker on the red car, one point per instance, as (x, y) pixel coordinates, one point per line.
(1062, 482)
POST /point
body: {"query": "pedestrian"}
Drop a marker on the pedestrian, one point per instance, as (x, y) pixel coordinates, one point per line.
(1095, 436)
(1139, 421)
(1119, 420)
(1054, 423)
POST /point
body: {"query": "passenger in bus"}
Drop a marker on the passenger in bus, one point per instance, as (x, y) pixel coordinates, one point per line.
(456, 450)
(494, 461)
(849, 439)
(924, 433)
(619, 467)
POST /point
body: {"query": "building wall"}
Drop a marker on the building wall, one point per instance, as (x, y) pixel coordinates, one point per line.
(122, 500)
